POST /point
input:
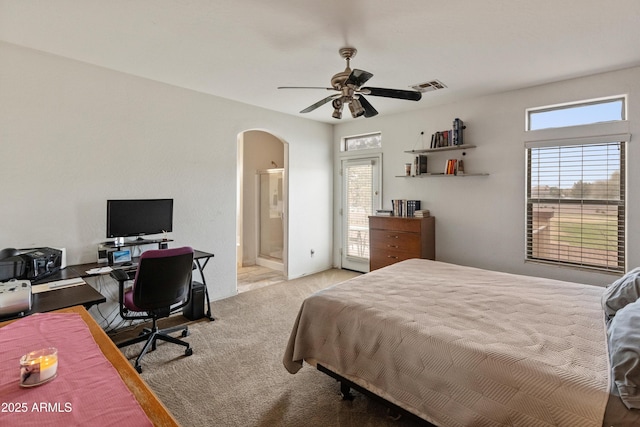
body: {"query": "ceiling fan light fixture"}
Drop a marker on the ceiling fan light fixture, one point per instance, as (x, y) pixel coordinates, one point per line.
(337, 108)
(356, 108)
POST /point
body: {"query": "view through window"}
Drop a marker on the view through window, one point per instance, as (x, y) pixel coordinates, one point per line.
(576, 192)
(362, 142)
(359, 181)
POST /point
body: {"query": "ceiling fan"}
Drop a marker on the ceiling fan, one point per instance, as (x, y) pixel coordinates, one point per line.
(348, 84)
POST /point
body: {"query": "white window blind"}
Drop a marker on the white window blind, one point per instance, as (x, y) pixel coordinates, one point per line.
(576, 205)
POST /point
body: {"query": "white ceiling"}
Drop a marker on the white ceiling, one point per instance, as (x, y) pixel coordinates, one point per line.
(244, 49)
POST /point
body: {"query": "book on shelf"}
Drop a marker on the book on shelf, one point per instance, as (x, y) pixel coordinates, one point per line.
(404, 207)
(451, 167)
(412, 206)
(442, 139)
(384, 212)
(398, 206)
(420, 164)
(422, 213)
(449, 137)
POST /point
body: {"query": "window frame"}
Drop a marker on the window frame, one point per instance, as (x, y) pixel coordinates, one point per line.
(575, 104)
(578, 135)
(344, 140)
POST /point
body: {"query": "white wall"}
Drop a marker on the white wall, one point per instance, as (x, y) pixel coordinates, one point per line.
(73, 135)
(480, 220)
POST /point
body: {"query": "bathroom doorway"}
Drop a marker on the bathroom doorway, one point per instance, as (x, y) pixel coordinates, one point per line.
(262, 209)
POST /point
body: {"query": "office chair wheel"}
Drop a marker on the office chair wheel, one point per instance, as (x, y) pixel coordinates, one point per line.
(185, 333)
(139, 369)
(188, 352)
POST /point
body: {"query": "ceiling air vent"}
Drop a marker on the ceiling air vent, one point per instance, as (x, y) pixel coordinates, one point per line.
(429, 86)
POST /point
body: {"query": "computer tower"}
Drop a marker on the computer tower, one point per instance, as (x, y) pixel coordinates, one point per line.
(195, 309)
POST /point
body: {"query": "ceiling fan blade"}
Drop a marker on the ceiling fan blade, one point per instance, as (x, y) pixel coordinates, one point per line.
(410, 95)
(306, 87)
(369, 111)
(320, 103)
(358, 77)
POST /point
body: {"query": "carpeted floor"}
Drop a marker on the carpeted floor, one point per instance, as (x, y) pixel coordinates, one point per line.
(235, 376)
(255, 276)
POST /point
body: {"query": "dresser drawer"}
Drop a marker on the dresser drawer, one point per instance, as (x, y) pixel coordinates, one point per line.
(379, 259)
(395, 241)
(398, 224)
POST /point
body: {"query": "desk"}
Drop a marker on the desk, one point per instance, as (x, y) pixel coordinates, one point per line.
(153, 408)
(89, 297)
(82, 295)
(86, 295)
(201, 259)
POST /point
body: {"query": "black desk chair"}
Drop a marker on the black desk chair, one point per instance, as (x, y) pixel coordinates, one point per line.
(162, 284)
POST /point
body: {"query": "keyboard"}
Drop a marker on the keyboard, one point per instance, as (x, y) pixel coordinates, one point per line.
(65, 282)
(131, 266)
(57, 284)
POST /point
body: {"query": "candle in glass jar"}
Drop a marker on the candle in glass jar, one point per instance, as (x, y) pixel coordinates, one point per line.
(38, 367)
(48, 366)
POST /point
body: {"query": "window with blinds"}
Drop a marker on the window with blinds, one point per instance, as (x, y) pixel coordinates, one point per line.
(575, 205)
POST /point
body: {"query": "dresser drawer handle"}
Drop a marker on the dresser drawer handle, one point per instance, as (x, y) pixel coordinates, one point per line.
(391, 256)
(392, 236)
(393, 246)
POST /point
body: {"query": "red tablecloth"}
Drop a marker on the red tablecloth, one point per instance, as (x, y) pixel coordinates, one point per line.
(88, 390)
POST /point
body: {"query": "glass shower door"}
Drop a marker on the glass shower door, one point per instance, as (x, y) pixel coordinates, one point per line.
(271, 233)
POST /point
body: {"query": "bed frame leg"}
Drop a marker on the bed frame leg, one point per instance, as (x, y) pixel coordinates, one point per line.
(345, 391)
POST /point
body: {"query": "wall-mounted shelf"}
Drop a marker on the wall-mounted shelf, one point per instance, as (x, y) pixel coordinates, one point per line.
(436, 150)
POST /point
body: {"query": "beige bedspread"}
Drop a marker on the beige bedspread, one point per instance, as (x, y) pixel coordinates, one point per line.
(461, 346)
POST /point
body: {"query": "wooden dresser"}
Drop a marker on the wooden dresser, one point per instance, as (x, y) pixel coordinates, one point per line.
(395, 239)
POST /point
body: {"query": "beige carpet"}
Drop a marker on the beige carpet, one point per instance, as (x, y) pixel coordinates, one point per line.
(255, 276)
(235, 376)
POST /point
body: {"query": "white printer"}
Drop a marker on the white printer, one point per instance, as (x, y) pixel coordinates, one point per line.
(15, 297)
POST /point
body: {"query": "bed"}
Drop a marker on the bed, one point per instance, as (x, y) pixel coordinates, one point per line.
(462, 346)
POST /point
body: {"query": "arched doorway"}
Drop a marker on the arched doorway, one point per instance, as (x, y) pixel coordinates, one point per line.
(262, 210)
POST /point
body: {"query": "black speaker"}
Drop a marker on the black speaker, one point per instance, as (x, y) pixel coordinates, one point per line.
(195, 309)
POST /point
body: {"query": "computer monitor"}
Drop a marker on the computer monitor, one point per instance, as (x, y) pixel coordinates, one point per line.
(122, 256)
(139, 217)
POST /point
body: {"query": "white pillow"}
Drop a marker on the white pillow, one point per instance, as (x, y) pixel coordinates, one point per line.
(623, 291)
(624, 351)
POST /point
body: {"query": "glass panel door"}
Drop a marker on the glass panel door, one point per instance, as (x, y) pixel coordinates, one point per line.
(361, 197)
